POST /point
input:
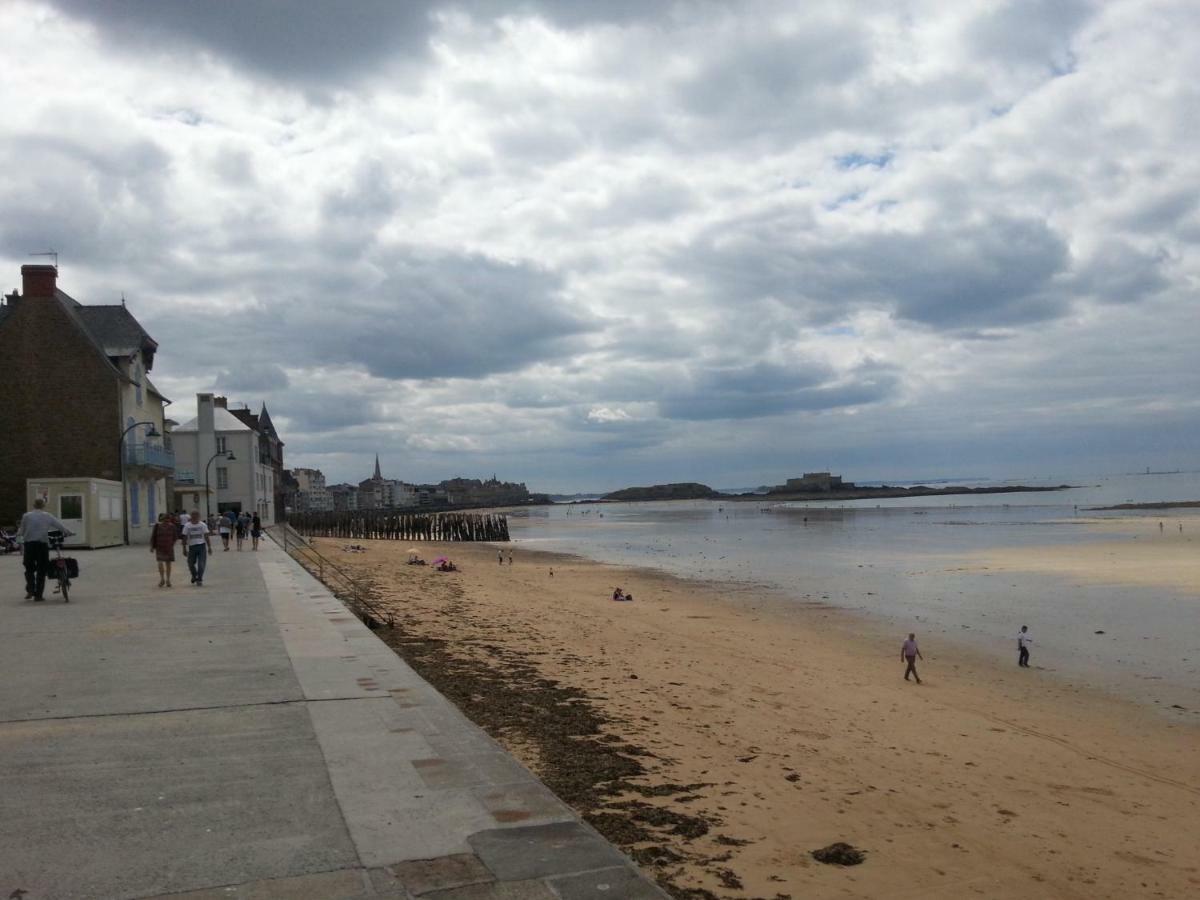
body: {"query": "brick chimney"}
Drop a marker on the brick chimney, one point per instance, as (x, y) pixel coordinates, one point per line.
(39, 281)
(222, 402)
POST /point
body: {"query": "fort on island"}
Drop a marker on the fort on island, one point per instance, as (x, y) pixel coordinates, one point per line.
(813, 483)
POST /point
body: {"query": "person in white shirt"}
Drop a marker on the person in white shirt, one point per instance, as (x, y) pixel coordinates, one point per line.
(1024, 639)
(196, 538)
(910, 653)
(33, 534)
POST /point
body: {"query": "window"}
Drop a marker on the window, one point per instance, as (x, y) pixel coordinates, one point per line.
(222, 478)
(135, 511)
(70, 506)
(221, 445)
(152, 502)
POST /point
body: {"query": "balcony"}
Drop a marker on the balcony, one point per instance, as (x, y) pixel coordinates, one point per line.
(150, 456)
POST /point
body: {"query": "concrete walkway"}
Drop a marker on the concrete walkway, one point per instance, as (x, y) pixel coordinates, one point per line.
(252, 739)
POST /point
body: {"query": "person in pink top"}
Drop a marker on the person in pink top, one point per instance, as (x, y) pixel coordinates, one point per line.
(910, 653)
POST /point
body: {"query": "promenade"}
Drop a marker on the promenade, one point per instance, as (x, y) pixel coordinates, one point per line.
(252, 739)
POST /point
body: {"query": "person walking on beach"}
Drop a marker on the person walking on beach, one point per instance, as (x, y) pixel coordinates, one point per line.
(33, 534)
(499, 557)
(199, 545)
(910, 653)
(1024, 639)
(510, 557)
(162, 545)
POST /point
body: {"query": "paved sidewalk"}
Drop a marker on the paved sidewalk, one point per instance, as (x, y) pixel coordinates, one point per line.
(252, 739)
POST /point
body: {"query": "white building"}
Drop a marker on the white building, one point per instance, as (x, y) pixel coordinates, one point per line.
(311, 494)
(218, 466)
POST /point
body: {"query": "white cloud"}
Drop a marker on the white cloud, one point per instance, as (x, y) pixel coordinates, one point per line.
(614, 241)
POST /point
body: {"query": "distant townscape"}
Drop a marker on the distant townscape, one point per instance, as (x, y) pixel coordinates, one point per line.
(305, 491)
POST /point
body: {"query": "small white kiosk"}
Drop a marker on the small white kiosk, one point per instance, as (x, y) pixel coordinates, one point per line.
(89, 507)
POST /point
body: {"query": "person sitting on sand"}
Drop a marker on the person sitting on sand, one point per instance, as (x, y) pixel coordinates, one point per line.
(910, 653)
(618, 594)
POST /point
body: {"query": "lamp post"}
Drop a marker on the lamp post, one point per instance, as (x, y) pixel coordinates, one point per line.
(228, 454)
(152, 433)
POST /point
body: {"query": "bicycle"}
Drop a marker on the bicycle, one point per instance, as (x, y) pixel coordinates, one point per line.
(58, 565)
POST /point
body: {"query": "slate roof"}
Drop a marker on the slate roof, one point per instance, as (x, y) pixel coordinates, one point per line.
(115, 329)
(223, 420)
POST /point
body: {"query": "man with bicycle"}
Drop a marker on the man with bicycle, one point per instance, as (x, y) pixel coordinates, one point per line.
(33, 532)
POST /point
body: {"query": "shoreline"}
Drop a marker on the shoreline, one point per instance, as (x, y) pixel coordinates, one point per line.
(722, 732)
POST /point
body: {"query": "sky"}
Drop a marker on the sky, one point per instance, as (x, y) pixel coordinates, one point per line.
(589, 245)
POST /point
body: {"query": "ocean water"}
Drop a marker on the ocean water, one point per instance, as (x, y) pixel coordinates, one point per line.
(900, 562)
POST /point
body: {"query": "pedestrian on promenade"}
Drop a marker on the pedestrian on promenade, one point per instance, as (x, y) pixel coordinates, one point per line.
(162, 544)
(33, 533)
(199, 545)
(910, 653)
(239, 530)
(225, 527)
(1024, 639)
(255, 530)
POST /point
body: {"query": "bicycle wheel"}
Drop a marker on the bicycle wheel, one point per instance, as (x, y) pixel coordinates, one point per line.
(64, 585)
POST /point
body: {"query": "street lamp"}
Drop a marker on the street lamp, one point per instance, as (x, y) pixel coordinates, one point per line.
(228, 454)
(152, 433)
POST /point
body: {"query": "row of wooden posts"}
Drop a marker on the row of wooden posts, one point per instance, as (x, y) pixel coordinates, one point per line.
(387, 525)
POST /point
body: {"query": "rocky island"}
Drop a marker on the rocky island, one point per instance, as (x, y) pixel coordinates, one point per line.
(687, 490)
(812, 486)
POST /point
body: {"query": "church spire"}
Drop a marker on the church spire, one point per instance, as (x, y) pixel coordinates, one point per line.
(378, 474)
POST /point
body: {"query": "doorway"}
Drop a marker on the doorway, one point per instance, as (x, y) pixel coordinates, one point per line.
(70, 513)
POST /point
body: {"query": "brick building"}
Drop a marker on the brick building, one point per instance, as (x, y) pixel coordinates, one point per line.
(77, 378)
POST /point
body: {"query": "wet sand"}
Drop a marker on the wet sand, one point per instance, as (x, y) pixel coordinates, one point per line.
(1137, 552)
(720, 733)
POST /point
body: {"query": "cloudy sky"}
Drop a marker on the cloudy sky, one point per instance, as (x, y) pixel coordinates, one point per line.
(591, 244)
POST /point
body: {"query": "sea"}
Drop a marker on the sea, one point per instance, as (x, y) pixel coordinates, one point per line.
(904, 562)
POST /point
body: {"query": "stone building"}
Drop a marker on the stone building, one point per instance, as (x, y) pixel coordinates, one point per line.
(78, 386)
(344, 497)
(814, 483)
(311, 493)
(378, 492)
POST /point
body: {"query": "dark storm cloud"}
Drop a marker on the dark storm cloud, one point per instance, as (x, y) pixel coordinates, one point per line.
(317, 44)
(429, 316)
(1038, 31)
(310, 411)
(763, 389)
(252, 377)
(306, 42)
(994, 272)
(99, 195)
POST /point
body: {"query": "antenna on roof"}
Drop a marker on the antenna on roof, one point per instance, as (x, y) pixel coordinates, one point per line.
(122, 298)
(51, 253)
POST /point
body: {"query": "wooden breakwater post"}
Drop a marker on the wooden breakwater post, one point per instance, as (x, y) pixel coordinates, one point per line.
(390, 525)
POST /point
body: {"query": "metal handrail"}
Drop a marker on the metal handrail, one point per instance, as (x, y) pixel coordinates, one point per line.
(352, 593)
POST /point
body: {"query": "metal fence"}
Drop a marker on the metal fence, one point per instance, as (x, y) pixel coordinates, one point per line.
(345, 586)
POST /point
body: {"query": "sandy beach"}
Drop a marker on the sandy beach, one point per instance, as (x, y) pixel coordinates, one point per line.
(720, 733)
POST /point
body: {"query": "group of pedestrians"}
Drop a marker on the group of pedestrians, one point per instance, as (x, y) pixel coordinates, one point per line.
(196, 537)
(910, 652)
(238, 526)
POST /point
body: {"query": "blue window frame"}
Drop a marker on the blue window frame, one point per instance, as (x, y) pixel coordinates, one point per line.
(135, 512)
(151, 502)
